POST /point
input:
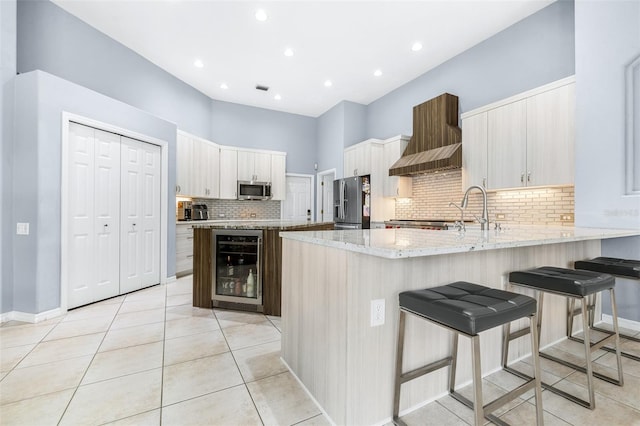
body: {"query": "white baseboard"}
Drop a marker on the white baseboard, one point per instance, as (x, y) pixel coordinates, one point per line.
(32, 318)
(623, 323)
(167, 280)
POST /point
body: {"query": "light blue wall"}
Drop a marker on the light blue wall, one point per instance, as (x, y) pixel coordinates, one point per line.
(40, 100)
(342, 126)
(7, 72)
(52, 40)
(535, 51)
(250, 127)
(607, 39)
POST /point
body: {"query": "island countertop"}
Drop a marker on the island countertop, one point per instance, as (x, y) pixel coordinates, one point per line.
(256, 224)
(403, 243)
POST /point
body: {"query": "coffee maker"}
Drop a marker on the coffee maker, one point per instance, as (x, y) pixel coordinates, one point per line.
(200, 212)
(184, 210)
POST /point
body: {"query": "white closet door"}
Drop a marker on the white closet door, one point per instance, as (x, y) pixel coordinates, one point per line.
(94, 194)
(140, 216)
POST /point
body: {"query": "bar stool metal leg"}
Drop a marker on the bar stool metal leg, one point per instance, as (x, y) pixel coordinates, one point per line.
(454, 362)
(535, 347)
(478, 409)
(587, 353)
(398, 376)
(614, 312)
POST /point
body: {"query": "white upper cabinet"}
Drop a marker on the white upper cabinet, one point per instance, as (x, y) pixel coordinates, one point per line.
(529, 139)
(395, 186)
(507, 145)
(474, 150)
(228, 173)
(184, 164)
(254, 166)
(357, 158)
(206, 161)
(551, 136)
(278, 176)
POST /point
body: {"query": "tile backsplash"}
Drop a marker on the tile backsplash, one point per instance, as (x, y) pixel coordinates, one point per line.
(432, 194)
(241, 209)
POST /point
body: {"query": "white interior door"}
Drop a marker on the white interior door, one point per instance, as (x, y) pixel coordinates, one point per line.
(140, 215)
(326, 210)
(298, 198)
(94, 197)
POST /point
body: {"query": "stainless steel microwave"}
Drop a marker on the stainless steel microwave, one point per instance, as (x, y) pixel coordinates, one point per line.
(254, 190)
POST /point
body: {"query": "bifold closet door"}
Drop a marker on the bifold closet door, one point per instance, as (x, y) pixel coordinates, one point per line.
(140, 215)
(94, 209)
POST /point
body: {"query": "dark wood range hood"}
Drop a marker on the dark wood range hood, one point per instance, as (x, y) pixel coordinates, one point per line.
(436, 143)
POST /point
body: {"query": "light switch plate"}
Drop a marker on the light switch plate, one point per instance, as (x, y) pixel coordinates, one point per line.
(22, 228)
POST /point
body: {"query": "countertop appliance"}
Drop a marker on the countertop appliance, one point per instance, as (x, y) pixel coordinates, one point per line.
(237, 265)
(199, 212)
(184, 210)
(352, 202)
(250, 190)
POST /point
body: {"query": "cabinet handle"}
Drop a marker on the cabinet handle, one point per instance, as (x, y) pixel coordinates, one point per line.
(521, 177)
(189, 255)
(484, 182)
(397, 191)
(529, 177)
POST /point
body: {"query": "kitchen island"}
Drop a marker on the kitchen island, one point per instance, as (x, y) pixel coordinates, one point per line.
(203, 273)
(330, 279)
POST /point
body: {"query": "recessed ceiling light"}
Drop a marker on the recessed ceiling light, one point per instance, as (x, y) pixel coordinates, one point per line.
(416, 46)
(198, 63)
(328, 83)
(377, 73)
(288, 52)
(277, 97)
(261, 15)
(224, 86)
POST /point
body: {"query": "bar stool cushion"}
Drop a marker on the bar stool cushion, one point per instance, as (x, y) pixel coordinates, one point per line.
(466, 307)
(568, 281)
(611, 265)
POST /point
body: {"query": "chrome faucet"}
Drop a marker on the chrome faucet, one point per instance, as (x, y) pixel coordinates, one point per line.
(484, 221)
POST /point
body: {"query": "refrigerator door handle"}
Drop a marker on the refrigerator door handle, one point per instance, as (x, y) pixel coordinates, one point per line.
(342, 189)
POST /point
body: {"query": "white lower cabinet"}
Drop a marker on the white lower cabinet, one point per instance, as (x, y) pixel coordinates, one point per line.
(184, 249)
(113, 215)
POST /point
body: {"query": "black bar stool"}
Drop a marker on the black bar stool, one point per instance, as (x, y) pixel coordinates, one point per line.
(575, 285)
(624, 268)
(467, 309)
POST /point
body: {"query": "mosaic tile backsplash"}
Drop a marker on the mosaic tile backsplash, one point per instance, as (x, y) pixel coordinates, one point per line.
(540, 206)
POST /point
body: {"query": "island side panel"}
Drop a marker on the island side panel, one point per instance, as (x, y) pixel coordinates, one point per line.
(202, 267)
(370, 351)
(314, 322)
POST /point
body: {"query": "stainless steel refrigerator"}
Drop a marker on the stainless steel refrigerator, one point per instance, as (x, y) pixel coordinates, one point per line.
(352, 202)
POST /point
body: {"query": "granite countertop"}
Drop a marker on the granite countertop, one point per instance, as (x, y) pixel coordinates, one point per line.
(400, 243)
(253, 224)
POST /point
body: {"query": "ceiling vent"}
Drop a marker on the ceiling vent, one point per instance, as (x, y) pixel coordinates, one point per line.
(436, 143)
(261, 87)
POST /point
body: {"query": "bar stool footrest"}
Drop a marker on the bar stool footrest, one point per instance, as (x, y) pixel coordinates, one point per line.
(469, 404)
(608, 349)
(580, 369)
(549, 387)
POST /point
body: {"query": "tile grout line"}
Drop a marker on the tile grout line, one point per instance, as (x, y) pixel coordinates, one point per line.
(89, 365)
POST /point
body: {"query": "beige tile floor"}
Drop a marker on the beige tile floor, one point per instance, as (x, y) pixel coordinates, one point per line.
(149, 358)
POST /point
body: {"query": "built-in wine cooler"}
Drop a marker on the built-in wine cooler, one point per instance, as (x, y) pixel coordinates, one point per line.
(237, 269)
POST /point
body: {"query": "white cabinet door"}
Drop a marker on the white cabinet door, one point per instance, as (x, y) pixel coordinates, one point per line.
(474, 150)
(278, 177)
(184, 249)
(395, 186)
(262, 166)
(140, 215)
(184, 165)
(94, 208)
(206, 160)
(254, 166)
(550, 137)
(350, 160)
(229, 173)
(507, 136)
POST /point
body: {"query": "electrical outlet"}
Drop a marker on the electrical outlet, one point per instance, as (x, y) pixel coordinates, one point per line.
(253, 215)
(500, 216)
(566, 217)
(377, 312)
(22, 229)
